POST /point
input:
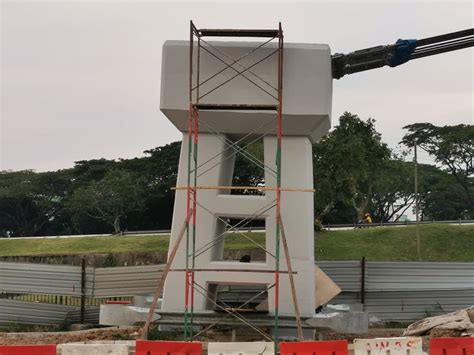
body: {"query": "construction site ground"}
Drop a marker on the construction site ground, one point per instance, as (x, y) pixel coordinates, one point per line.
(132, 333)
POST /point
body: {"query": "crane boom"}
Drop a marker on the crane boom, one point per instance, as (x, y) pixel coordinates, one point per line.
(399, 53)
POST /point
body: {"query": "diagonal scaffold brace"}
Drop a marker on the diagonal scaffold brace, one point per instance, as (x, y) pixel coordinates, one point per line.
(292, 282)
(159, 289)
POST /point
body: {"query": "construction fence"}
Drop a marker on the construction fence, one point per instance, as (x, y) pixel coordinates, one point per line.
(391, 291)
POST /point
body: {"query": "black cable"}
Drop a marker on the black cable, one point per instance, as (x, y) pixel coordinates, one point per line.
(445, 37)
(443, 49)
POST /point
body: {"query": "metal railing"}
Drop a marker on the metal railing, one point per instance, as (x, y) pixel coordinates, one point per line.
(327, 226)
(396, 224)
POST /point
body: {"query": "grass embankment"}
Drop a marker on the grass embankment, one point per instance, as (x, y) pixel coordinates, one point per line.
(438, 243)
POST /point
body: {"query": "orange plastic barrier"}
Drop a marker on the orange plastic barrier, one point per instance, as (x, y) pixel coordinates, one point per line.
(148, 347)
(452, 346)
(27, 349)
(336, 347)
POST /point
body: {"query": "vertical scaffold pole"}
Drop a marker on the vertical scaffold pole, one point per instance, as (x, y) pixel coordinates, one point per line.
(195, 155)
(196, 137)
(192, 174)
(278, 191)
(188, 195)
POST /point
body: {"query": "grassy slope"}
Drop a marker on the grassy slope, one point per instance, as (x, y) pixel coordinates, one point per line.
(438, 243)
(86, 245)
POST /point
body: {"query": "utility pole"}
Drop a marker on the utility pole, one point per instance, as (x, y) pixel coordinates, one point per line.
(418, 246)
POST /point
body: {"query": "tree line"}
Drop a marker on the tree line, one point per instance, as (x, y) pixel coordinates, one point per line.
(354, 173)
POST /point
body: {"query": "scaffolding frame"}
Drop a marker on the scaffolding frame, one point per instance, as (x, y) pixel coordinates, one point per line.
(190, 225)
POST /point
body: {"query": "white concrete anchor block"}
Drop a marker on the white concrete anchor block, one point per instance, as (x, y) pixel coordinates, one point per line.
(93, 349)
(244, 348)
(389, 346)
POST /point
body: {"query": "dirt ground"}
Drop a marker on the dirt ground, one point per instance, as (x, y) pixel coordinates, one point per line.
(115, 333)
(132, 333)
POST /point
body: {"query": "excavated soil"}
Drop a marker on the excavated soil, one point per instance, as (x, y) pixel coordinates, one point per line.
(115, 333)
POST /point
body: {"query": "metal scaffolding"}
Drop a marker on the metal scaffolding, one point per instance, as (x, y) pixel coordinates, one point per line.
(198, 46)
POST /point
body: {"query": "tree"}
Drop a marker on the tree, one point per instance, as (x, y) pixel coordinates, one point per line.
(160, 167)
(451, 146)
(30, 201)
(159, 171)
(441, 198)
(86, 171)
(347, 163)
(247, 172)
(110, 199)
(393, 191)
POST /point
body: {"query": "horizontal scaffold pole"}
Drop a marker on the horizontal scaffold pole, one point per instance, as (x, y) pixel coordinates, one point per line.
(264, 188)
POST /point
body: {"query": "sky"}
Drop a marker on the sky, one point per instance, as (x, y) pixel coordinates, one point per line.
(81, 79)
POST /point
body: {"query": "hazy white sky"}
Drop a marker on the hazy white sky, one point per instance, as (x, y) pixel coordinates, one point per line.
(81, 80)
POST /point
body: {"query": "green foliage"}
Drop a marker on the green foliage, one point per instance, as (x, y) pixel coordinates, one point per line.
(442, 198)
(29, 201)
(393, 191)
(159, 171)
(354, 173)
(347, 163)
(14, 327)
(110, 261)
(451, 146)
(111, 198)
(86, 171)
(247, 173)
(156, 334)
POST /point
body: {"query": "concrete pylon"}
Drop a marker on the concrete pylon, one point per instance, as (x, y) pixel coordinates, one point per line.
(307, 92)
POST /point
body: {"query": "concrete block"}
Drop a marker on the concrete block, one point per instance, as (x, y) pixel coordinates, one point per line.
(350, 307)
(93, 349)
(392, 346)
(244, 348)
(123, 315)
(307, 88)
(342, 322)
